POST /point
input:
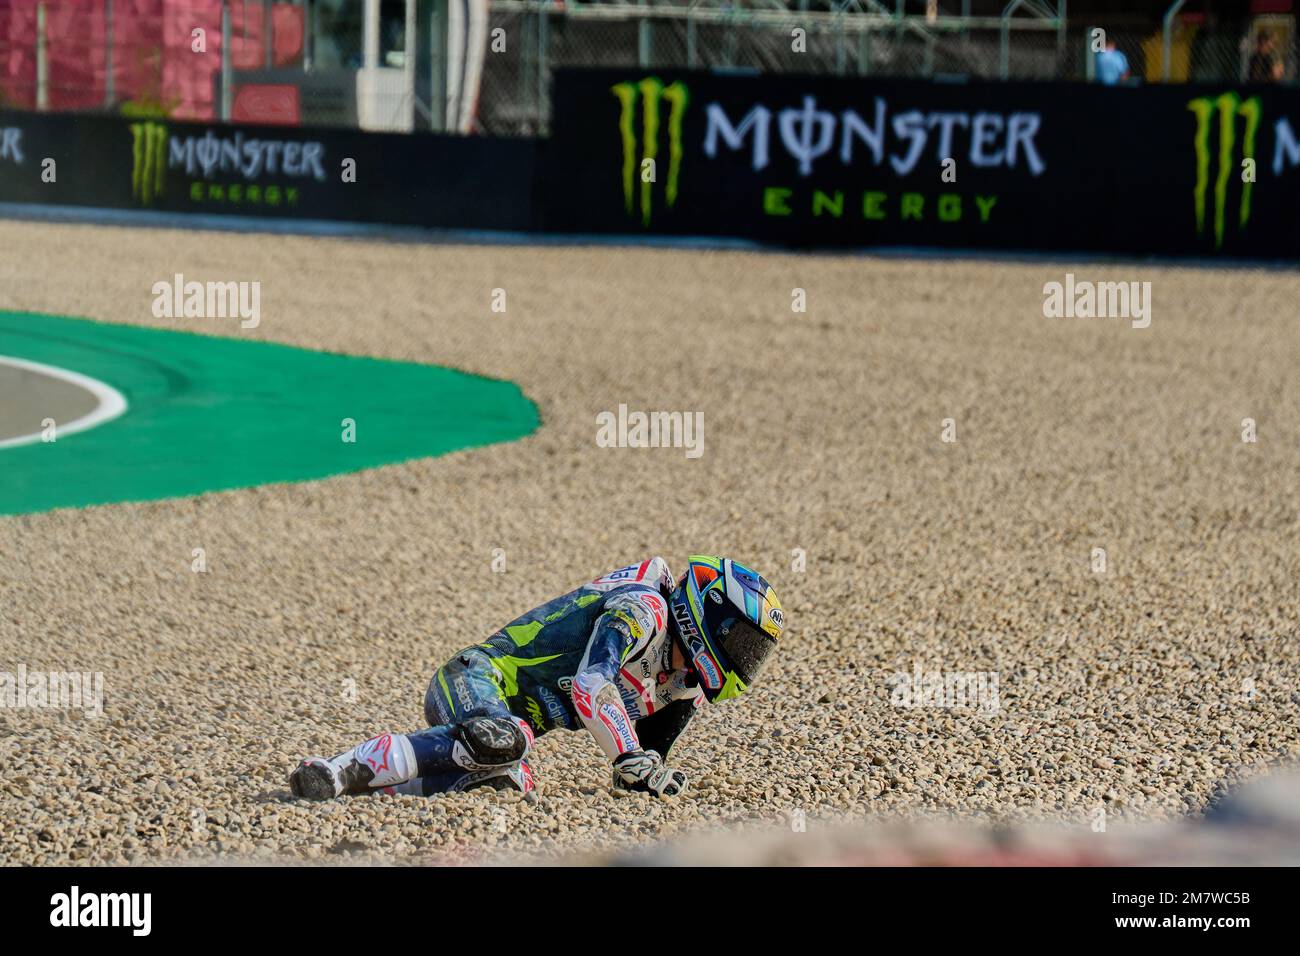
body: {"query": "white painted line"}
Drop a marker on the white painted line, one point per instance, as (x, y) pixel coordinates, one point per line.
(111, 402)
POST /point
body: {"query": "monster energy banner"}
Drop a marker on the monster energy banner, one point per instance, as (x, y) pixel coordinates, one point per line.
(332, 174)
(1175, 170)
(828, 161)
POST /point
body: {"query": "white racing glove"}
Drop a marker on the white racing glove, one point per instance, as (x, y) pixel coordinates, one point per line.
(644, 771)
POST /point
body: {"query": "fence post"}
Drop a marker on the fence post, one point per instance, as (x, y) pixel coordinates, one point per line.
(1062, 42)
(308, 34)
(438, 68)
(409, 21)
(1168, 36)
(110, 92)
(840, 53)
(226, 72)
(1004, 52)
(543, 87)
(370, 34)
(690, 38)
(42, 62)
(643, 38)
(527, 49)
(268, 40)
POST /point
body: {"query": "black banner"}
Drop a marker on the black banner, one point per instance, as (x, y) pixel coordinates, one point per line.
(1178, 170)
(804, 161)
(227, 906)
(297, 173)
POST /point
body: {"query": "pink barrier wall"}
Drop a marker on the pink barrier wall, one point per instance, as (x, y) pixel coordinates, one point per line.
(153, 59)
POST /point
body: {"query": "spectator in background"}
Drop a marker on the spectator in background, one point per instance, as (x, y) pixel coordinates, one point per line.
(1265, 66)
(1112, 65)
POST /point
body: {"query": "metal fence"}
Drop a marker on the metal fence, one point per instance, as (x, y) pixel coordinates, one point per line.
(849, 38)
(138, 55)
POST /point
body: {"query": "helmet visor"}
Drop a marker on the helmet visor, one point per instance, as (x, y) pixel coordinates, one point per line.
(744, 647)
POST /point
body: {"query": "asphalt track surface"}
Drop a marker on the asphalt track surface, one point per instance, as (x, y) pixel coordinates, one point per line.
(1140, 691)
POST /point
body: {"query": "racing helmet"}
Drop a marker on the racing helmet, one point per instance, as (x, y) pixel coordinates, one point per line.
(729, 620)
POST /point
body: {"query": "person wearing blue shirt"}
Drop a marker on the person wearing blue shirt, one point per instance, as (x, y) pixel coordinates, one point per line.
(1112, 66)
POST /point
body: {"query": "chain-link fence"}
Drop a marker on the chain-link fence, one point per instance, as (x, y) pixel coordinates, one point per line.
(1262, 50)
(301, 60)
(540, 37)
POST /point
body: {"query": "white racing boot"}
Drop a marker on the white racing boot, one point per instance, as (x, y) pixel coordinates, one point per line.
(380, 762)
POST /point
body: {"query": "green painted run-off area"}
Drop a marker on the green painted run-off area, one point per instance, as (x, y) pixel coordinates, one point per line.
(207, 413)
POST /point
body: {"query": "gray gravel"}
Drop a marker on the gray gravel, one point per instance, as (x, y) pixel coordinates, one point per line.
(1139, 692)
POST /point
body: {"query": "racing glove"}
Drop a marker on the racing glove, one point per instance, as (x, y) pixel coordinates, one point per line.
(644, 771)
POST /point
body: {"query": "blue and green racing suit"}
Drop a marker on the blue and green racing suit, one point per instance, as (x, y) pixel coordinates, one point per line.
(598, 658)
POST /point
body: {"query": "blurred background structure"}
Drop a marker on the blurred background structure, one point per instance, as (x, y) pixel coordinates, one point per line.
(476, 66)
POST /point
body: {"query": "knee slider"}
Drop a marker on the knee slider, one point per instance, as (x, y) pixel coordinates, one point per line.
(494, 741)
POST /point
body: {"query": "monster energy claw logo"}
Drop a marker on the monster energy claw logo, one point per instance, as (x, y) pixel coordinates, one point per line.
(650, 91)
(1229, 107)
(535, 713)
(148, 160)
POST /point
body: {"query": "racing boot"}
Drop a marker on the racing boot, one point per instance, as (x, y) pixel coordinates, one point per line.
(380, 763)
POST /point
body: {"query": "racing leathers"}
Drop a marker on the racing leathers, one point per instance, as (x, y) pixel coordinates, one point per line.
(598, 658)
